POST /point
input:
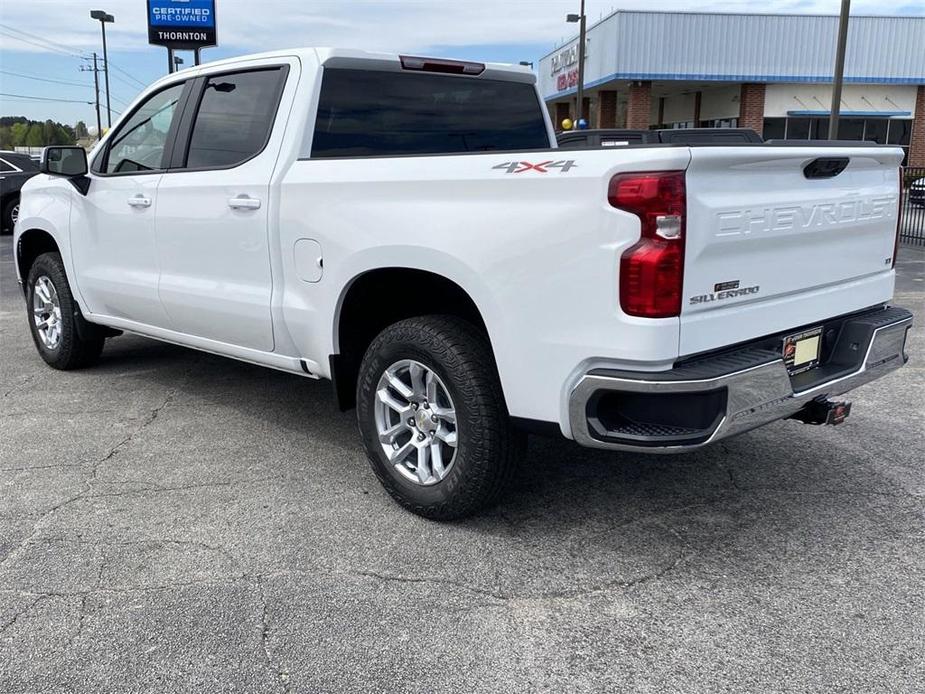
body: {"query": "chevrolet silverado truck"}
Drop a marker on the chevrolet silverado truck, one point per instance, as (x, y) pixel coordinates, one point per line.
(406, 228)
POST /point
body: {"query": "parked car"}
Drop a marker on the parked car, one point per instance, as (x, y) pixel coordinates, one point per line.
(615, 137)
(405, 227)
(917, 192)
(15, 169)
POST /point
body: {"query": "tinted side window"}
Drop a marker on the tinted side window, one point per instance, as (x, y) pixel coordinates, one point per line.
(5, 167)
(369, 113)
(235, 117)
(139, 143)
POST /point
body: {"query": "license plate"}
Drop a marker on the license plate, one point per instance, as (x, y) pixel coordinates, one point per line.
(801, 350)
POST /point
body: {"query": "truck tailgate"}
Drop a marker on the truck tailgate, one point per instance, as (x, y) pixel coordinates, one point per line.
(774, 242)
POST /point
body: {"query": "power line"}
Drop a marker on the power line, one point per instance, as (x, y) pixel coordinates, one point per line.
(45, 79)
(48, 44)
(42, 46)
(127, 74)
(124, 81)
(43, 98)
(120, 100)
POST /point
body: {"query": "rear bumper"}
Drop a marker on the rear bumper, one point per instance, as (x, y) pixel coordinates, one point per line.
(721, 395)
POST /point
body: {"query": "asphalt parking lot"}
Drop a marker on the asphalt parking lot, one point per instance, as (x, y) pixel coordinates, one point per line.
(173, 521)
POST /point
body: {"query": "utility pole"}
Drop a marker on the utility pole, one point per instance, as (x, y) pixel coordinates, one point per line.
(839, 68)
(96, 90)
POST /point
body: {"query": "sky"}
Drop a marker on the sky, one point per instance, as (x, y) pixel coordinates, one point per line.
(487, 30)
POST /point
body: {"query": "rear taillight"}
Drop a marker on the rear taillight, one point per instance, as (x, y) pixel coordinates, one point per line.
(652, 270)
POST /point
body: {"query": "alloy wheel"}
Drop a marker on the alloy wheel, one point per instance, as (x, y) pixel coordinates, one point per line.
(416, 422)
(46, 312)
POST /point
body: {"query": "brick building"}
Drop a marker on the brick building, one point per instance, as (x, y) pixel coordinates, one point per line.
(771, 73)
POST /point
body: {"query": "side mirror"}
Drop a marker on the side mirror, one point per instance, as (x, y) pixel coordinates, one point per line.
(64, 161)
(69, 162)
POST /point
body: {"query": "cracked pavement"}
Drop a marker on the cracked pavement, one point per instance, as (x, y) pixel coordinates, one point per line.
(172, 521)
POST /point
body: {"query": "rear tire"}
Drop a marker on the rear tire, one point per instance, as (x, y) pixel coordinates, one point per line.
(53, 314)
(459, 400)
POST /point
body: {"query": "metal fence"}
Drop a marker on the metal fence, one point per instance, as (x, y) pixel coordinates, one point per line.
(912, 207)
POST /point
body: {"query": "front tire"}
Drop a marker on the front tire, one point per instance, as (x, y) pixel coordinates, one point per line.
(52, 314)
(432, 416)
(10, 215)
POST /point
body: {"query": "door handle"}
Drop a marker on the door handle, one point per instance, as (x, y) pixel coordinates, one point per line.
(139, 201)
(244, 202)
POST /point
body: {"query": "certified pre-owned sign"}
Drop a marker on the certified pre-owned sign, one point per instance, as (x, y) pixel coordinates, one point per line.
(183, 24)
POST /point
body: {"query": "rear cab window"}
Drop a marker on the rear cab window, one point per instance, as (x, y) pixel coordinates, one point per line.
(367, 113)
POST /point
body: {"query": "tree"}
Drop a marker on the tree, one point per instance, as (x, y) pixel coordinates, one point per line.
(80, 130)
(18, 132)
(49, 133)
(35, 137)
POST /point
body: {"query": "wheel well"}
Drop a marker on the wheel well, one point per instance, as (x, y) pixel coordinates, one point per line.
(380, 298)
(32, 244)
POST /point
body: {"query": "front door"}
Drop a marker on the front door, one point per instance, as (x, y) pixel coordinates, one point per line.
(212, 211)
(112, 227)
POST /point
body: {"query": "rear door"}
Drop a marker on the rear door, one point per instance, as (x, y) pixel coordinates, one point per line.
(779, 237)
(213, 208)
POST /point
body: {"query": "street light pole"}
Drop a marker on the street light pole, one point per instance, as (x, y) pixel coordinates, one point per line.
(581, 63)
(839, 68)
(580, 92)
(103, 17)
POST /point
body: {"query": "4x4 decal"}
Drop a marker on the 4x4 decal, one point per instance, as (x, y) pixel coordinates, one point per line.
(542, 167)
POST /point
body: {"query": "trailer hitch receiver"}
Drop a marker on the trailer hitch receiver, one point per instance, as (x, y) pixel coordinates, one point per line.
(823, 411)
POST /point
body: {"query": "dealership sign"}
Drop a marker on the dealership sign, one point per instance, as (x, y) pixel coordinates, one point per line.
(565, 67)
(181, 24)
(564, 58)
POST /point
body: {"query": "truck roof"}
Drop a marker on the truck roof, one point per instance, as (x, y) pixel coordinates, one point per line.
(368, 60)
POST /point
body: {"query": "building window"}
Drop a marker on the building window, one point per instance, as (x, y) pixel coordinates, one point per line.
(900, 132)
(890, 131)
(798, 128)
(875, 130)
(775, 128)
(721, 123)
(818, 128)
(851, 129)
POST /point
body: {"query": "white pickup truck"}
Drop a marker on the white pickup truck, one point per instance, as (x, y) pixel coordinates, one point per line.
(405, 227)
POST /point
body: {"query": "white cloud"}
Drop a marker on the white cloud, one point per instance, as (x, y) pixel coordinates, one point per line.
(254, 25)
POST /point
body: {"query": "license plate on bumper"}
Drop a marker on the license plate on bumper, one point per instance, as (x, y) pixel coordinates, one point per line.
(801, 350)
